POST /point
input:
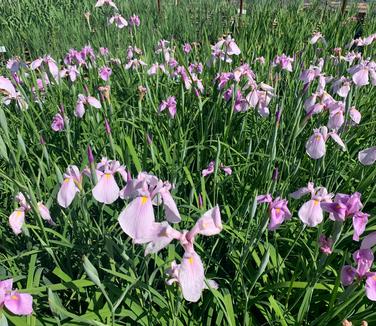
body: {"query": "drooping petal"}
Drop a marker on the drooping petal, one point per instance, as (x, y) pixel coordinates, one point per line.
(7, 86)
(164, 234)
(347, 275)
(169, 205)
(94, 102)
(208, 224)
(191, 276)
(137, 218)
(17, 220)
(80, 109)
(315, 146)
(338, 140)
(19, 303)
(369, 241)
(367, 156)
(303, 191)
(364, 259)
(359, 223)
(371, 287)
(67, 192)
(355, 115)
(311, 213)
(45, 213)
(106, 190)
(264, 199)
(361, 78)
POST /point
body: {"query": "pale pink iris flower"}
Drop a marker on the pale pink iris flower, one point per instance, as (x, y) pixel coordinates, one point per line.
(316, 37)
(137, 219)
(363, 72)
(101, 3)
(85, 100)
(367, 156)
(118, 20)
(70, 71)
(51, 64)
(15, 302)
(364, 260)
(311, 213)
(17, 218)
(278, 210)
(71, 185)
(316, 147)
(210, 169)
(10, 92)
(170, 105)
(106, 190)
(155, 67)
(224, 49)
(284, 62)
(57, 122)
(190, 273)
(105, 73)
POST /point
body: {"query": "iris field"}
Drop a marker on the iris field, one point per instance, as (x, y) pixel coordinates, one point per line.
(186, 166)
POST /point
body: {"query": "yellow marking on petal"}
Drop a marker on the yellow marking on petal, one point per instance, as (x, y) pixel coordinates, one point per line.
(190, 260)
(318, 138)
(205, 225)
(66, 180)
(107, 175)
(374, 277)
(277, 210)
(338, 207)
(14, 297)
(315, 202)
(19, 214)
(144, 200)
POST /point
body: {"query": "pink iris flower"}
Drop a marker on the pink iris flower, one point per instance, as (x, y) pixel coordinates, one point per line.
(119, 21)
(134, 64)
(10, 92)
(345, 206)
(105, 73)
(364, 259)
(57, 122)
(137, 219)
(17, 218)
(70, 71)
(315, 146)
(317, 37)
(367, 156)
(362, 72)
(134, 20)
(190, 273)
(278, 210)
(155, 67)
(17, 303)
(50, 62)
(106, 190)
(342, 86)
(284, 62)
(104, 51)
(311, 212)
(71, 185)
(224, 49)
(101, 3)
(85, 100)
(325, 244)
(210, 169)
(169, 104)
(187, 48)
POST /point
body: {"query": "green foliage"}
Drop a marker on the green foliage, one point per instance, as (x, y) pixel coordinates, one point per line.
(85, 270)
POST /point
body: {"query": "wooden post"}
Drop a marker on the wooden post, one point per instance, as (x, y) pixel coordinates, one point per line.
(241, 8)
(343, 7)
(159, 6)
